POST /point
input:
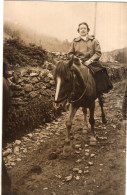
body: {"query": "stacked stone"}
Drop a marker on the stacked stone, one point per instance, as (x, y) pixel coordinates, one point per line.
(32, 98)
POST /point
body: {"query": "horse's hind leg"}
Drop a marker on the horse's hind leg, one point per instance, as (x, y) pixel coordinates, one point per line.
(85, 118)
(101, 102)
(92, 122)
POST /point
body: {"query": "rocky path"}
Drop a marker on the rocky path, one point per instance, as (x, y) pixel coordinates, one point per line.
(36, 167)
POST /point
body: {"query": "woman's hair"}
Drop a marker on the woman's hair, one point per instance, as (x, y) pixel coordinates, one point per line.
(84, 24)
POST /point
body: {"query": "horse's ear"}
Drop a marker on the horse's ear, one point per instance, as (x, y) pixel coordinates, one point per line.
(70, 61)
(77, 61)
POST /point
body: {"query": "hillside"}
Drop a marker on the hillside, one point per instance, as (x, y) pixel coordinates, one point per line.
(118, 55)
(49, 43)
(52, 44)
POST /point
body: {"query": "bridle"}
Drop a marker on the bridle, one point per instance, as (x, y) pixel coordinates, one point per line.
(62, 99)
(69, 95)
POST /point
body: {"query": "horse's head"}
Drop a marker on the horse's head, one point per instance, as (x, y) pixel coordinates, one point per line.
(63, 78)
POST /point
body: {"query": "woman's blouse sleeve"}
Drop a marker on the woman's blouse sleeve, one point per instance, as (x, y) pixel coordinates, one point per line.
(97, 49)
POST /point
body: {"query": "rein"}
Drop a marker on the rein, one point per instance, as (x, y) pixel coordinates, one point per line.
(62, 99)
(76, 101)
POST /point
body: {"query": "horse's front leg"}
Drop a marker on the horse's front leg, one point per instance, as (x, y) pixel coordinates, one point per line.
(67, 146)
(92, 122)
(69, 122)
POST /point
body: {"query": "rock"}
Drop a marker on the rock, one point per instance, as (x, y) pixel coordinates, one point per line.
(17, 87)
(46, 79)
(103, 138)
(77, 177)
(80, 171)
(90, 163)
(77, 146)
(6, 153)
(114, 126)
(9, 157)
(92, 155)
(30, 135)
(58, 176)
(17, 142)
(10, 73)
(68, 178)
(50, 75)
(52, 82)
(33, 74)
(18, 159)
(86, 172)
(24, 72)
(25, 150)
(79, 160)
(45, 188)
(16, 150)
(87, 154)
(76, 169)
(25, 139)
(12, 164)
(34, 80)
(33, 94)
(87, 150)
(77, 152)
(28, 88)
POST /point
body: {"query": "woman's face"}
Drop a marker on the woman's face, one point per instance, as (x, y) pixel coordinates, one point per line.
(83, 31)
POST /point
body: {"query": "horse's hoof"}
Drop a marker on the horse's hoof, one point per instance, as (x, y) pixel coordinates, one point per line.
(67, 149)
(93, 141)
(67, 142)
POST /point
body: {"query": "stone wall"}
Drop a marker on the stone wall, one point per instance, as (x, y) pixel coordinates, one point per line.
(32, 99)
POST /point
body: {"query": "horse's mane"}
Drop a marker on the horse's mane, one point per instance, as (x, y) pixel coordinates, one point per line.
(62, 70)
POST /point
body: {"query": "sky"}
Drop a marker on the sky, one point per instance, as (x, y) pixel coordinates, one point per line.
(61, 19)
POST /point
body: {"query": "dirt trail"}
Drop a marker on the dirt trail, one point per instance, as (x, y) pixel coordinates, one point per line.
(37, 168)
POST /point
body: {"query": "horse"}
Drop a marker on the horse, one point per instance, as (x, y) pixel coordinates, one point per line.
(75, 83)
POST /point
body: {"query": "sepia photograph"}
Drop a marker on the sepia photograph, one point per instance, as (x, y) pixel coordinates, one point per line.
(64, 98)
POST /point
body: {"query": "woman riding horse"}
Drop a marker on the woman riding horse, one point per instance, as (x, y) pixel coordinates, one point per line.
(82, 80)
(88, 50)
